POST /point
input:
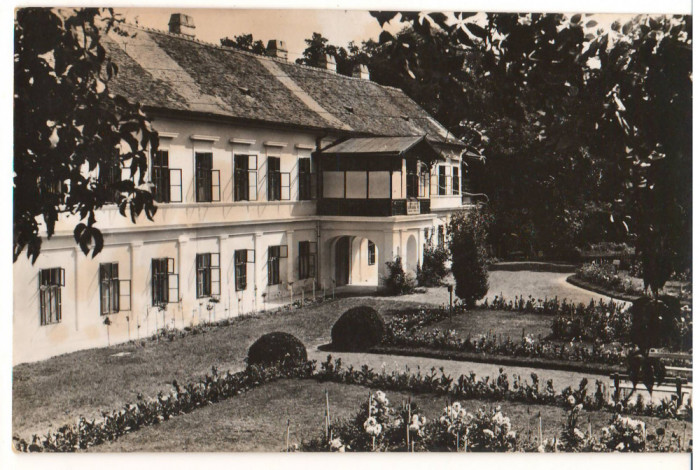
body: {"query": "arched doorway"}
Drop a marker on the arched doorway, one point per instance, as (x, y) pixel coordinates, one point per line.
(342, 261)
(355, 261)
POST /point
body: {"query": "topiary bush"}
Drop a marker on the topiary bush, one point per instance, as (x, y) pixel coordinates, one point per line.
(358, 329)
(277, 348)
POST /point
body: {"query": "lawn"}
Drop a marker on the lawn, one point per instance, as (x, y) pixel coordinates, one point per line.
(60, 389)
(257, 421)
(496, 322)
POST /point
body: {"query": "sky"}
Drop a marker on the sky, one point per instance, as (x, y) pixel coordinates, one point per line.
(291, 26)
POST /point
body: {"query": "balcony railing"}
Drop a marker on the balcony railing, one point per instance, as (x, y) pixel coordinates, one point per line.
(373, 207)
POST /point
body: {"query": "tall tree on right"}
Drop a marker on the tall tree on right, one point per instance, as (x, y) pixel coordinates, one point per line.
(620, 97)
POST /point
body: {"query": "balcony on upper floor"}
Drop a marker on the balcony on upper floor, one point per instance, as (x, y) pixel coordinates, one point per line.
(378, 177)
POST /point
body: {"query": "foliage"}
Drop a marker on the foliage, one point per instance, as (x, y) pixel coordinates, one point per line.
(433, 270)
(244, 42)
(580, 124)
(388, 425)
(398, 282)
(485, 430)
(624, 435)
(601, 322)
(276, 348)
(358, 329)
(467, 236)
(607, 276)
(72, 135)
(213, 388)
(606, 325)
(317, 48)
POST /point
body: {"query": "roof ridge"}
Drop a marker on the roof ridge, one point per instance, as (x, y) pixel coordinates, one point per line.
(252, 54)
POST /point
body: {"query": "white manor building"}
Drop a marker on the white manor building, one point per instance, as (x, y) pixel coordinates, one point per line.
(272, 179)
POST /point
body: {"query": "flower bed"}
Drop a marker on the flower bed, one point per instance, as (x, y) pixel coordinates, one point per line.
(378, 426)
(216, 387)
(593, 333)
(525, 347)
(606, 276)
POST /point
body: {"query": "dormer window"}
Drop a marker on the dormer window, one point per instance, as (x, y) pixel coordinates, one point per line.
(244, 90)
(349, 109)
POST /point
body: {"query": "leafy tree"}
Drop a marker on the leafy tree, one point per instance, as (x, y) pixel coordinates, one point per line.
(244, 42)
(647, 125)
(618, 100)
(72, 136)
(577, 121)
(317, 47)
(467, 237)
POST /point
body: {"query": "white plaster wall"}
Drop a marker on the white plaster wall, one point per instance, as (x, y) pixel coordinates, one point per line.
(182, 149)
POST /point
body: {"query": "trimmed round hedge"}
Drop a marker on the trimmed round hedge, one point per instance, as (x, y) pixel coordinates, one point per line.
(358, 329)
(277, 348)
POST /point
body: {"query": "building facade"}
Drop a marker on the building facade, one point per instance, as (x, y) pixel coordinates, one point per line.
(273, 180)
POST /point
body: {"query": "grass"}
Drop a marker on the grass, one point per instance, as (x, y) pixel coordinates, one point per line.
(496, 322)
(60, 389)
(257, 421)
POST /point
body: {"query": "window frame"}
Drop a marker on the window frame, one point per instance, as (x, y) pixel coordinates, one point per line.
(307, 259)
(208, 275)
(456, 190)
(306, 179)
(274, 254)
(371, 253)
(160, 176)
(169, 289)
(442, 180)
(109, 288)
(51, 280)
(241, 260)
(243, 187)
(207, 179)
(274, 178)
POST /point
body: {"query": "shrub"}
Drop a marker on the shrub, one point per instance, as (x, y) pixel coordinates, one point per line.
(277, 348)
(358, 329)
(467, 248)
(398, 281)
(433, 270)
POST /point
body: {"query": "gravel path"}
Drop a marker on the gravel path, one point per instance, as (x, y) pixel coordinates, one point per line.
(560, 379)
(511, 283)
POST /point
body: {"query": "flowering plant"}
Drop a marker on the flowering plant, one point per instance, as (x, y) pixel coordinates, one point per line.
(624, 434)
(490, 431)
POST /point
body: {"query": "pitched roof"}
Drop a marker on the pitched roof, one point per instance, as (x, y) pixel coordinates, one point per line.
(169, 71)
(374, 145)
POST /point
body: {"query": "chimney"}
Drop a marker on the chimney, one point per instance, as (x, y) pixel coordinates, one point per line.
(181, 24)
(360, 71)
(276, 48)
(328, 62)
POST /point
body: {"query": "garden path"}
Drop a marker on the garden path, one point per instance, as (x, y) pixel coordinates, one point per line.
(560, 379)
(511, 283)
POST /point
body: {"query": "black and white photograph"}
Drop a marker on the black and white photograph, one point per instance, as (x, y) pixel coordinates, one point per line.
(322, 230)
